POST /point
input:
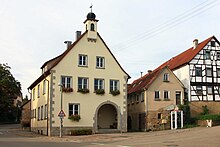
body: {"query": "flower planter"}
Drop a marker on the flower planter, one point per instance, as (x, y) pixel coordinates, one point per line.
(100, 91)
(115, 92)
(83, 91)
(67, 90)
(74, 117)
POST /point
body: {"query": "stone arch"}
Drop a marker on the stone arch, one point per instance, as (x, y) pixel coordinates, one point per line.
(111, 118)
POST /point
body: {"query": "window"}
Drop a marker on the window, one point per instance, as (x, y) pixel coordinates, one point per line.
(166, 94)
(38, 113)
(33, 93)
(218, 89)
(92, 27)
(207, 54)
(34, 113)
(208, 72)
(83, 60)
(166, 77)
(159, 116)
(212, 43)
(100, 62)
(98, 84)
(137, 98)
(199, 89)
(45, 111)
(198, 71)
(218, 72)
(42, 112)
(209, 89)
(142, 96)
(114, 85)
(44, 87)
(218, 55)
(157, 95)
(38, 90)
(82, 83)
(66, 81)
(73, 109)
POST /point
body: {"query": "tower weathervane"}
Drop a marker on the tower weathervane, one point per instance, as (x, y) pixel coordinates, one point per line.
(91, 7)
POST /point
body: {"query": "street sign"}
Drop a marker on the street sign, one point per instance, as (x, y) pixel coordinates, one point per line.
(61, 113)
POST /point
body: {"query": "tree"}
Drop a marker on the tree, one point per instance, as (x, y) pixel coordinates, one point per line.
(9, 90)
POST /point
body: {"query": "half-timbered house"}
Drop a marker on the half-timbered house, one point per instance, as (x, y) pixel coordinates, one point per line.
(199, 70)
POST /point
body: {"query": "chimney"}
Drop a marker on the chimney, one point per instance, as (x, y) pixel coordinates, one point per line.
(78, 34)
(195, 43)
(149, 71)
(68, 43)
(141, 74)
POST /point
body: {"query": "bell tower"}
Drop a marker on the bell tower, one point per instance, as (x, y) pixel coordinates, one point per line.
(91, 26)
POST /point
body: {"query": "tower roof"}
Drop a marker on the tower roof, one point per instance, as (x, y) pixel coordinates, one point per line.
(91, 16)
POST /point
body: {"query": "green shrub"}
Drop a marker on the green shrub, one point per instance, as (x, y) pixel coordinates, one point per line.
(209, 117)
(205, 110)
(81, 132)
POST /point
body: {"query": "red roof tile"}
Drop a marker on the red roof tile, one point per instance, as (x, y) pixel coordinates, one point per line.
(174, 63)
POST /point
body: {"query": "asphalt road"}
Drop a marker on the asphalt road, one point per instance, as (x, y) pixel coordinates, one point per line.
(13, 136)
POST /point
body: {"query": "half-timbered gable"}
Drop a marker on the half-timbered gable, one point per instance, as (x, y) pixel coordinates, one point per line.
(204, 77)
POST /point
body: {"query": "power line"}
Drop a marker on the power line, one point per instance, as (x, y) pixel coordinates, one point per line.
(197, 10)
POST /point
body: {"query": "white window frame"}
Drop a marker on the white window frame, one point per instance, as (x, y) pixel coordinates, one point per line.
(33, 94)
(166, 94)
(66, 81)
(98, 84)
(83, 60)
(207, 54)
(200, 71)
(137, 98)
(44, 86)
(114, 85)
(38, 90)
(38, 113)
(100, 62)
(84, 83)
(45, 111)
(73, 111)
(142, 96)
(166, 77)
(157, 92)
(42, 112)
(209, 89)
(208, 72)
(218, 55)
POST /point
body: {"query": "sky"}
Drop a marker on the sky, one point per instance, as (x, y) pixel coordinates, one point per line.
(142, 34)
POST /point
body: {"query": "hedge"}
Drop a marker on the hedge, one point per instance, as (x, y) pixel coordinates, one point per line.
(209, 117)
(81, 132)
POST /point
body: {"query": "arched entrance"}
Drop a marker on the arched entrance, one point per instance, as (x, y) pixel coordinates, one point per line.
(107, 117)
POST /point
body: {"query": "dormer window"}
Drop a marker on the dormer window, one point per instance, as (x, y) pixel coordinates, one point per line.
(166, 77)
(92, 27)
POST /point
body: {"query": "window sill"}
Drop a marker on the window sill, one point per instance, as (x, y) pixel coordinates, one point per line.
(86, 66)
(100, 67)
(157, 100)
(166, 81)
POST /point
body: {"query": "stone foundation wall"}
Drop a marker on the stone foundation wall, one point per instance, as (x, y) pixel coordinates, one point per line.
(55, 131)
(196, 107)
(158, 120)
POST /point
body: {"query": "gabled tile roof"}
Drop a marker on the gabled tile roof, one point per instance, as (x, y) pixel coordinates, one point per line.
(173, 64)
(53, 62)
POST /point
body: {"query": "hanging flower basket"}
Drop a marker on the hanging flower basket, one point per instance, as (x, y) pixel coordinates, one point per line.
(100, 91)
(67, 90)
(115, 92)
(74, 117)
(83, 90)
